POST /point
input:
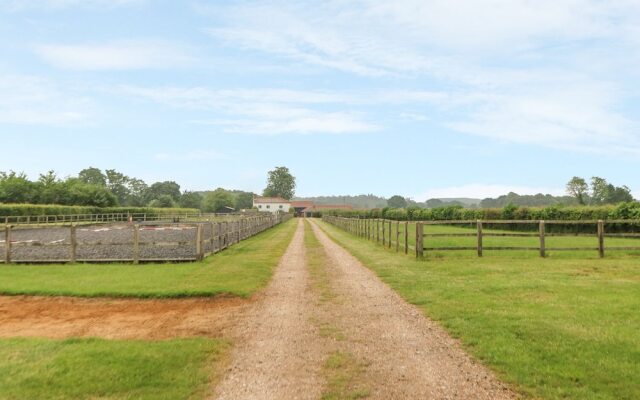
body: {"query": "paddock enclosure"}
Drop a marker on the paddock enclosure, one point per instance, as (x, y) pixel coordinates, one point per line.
(122, 238)
(517, 237)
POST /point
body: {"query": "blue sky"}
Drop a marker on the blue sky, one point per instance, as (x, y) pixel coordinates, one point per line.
(423, 98)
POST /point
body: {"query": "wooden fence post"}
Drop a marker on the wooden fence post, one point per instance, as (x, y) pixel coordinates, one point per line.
(389, 241)
(397, 236)
(74, 244)
(406, 237)
(479, 223)
(543, 247)
(199, 247)
(601, 238)
(136, 243)
(419, 240)
(377, 230)
(213, 235)
(384, 233)
(7, 244)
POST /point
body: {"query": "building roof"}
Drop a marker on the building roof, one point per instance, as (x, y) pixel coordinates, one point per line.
(301, 204)
(328, 207)
(270, 200)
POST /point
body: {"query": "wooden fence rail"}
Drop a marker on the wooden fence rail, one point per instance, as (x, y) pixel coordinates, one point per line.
(221, 235)
(69, 219)
(380, 230)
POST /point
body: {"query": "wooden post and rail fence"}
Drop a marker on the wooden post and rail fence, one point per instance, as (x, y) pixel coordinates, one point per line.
(380, 230)
(222, 235)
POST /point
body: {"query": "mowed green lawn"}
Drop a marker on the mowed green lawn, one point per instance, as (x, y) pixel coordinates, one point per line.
(555, 328)
(108, 369)
(131, 369)
(240, 271)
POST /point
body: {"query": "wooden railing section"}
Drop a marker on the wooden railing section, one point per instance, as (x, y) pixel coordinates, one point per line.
(222, 235)
(380, 231)
(67, 219)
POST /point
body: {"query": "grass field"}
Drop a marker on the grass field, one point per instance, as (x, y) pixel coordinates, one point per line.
(555, 328)
(240, 270)
(551, 242)
(131, 369)
(95, 368)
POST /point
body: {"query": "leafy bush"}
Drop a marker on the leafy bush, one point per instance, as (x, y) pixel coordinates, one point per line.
(39, 209)
(629, 210)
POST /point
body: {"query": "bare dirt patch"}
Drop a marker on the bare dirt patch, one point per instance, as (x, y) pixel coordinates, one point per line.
(64, 317)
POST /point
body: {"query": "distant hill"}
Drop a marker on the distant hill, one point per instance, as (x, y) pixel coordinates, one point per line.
(373, 201)
(467, 202)
(360, 201)
(536, 200)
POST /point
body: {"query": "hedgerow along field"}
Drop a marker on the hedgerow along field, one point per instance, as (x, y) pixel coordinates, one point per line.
(555, 328)
(125, 369)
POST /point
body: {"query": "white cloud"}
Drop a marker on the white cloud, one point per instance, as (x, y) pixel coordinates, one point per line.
(573, 118)
(481, 191)
(303, 122)
(546, 73)
(29, 100)
(195, 155)
(262, 111)
(118, 55)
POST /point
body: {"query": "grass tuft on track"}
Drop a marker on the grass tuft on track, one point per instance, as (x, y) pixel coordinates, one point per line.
(554, 328)
(239, 270)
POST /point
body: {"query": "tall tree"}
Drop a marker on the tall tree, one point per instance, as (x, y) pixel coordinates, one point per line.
(17, 188)
(93, 176)
(117, 183)
(397, 202)
(168, 188)
(280, 184)
(244, 201)
(216, 200)
(191, 200)
(137, 193)
(619, 194)
(578, 188)
(599, 190)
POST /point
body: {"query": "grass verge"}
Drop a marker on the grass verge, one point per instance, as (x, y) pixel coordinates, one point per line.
(105, 369)
(554, 328)
(240, 270)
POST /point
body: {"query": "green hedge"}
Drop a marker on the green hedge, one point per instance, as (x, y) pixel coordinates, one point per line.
(37, 209)
(620, 211)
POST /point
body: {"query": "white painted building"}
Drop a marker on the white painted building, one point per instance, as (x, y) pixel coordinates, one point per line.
(271, 204)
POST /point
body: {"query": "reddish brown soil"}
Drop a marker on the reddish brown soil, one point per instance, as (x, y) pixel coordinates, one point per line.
(62, 317)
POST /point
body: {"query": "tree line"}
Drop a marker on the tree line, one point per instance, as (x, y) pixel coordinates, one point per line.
(110, 188)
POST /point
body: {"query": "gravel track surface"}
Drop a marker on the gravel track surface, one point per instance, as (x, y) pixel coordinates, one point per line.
(408, 355)
(277, 355)
(279, 350)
